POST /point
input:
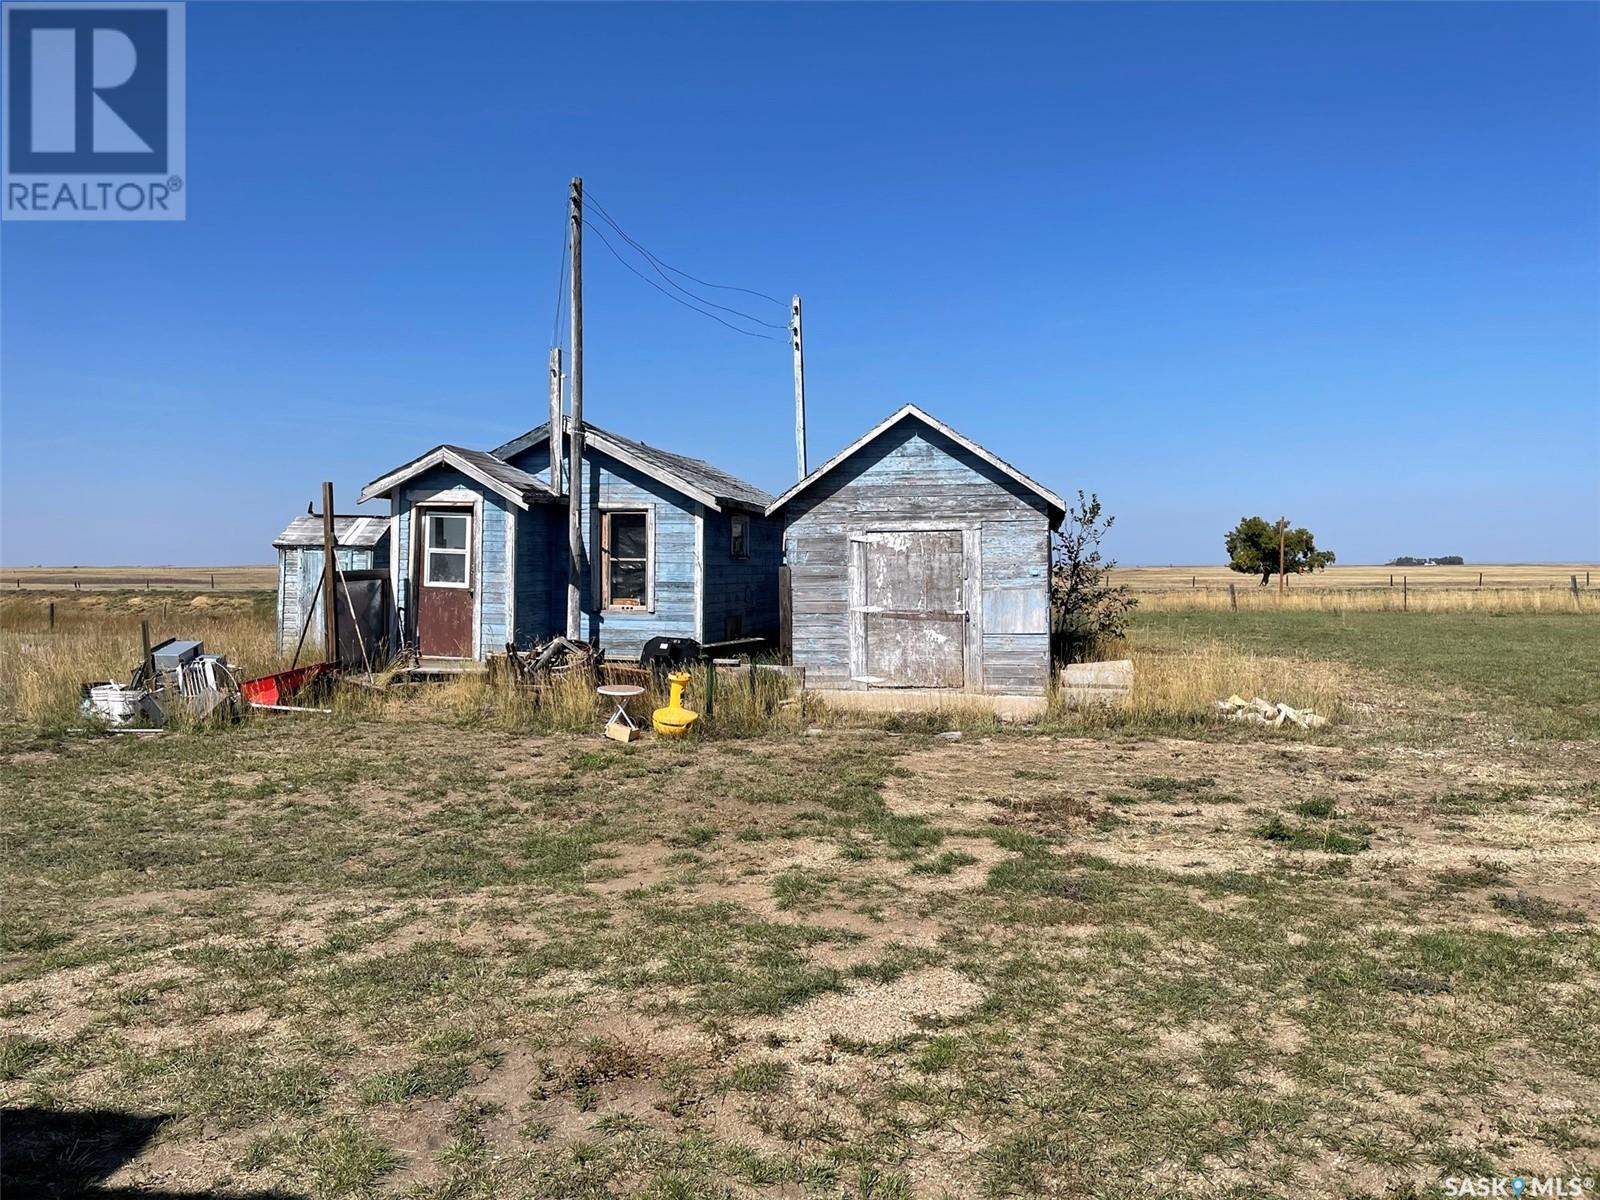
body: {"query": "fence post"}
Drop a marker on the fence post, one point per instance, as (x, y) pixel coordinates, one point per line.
(1391, 578)
(149, 660)
(1480, 578)
(1233, 598)
(1405, 593)
(711, 687)
(1574, 592)
(52, 614)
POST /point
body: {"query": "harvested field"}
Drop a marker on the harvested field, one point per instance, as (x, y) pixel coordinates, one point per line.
(98, 579)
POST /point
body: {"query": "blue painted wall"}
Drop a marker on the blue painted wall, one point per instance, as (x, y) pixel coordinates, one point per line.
(747, 587)
(744, 588)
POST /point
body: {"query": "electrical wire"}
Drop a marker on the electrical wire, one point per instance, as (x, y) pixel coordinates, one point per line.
(659, 265)
(673, 284)
(561, 290)
(675, 299)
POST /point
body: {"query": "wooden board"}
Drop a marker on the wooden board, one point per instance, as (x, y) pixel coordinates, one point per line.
(913, 617)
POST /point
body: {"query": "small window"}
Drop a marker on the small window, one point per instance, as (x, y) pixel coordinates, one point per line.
(732, 627)
(625, 552)
(446, 546)
(739, 536)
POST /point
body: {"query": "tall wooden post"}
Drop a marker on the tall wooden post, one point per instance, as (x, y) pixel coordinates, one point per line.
(797, 337)
(555, 420)
(1283, 523)
(785, 615)
(330, 591)
(575, 438)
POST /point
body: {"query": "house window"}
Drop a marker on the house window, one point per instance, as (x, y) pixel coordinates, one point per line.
(625, 555)
(739, 536)
(732, 627)
(446, 545)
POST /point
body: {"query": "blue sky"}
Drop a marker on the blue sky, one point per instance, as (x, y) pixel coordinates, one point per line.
(1335, 262)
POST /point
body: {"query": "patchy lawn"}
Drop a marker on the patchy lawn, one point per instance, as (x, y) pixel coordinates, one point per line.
(413, 959)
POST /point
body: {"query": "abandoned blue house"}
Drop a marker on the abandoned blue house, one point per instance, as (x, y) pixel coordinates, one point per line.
(478, 551)
(916, 559)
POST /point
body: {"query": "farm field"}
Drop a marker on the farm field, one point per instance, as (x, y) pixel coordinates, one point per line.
(68, 579)
(1495, 575)
(422, 951)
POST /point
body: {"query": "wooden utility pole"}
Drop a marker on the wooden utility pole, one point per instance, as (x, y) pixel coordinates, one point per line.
(330, 564)
(555, 420)
(798, 340)
(1283, 524)
(575, 442)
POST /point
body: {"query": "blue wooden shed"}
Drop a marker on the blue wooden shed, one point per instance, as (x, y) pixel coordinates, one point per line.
(360, 544)
(671, 546)
(917, 559)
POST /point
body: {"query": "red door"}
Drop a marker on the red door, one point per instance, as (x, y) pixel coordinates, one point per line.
(444, 583)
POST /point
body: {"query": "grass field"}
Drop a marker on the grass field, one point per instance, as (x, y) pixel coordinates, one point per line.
(422, 950)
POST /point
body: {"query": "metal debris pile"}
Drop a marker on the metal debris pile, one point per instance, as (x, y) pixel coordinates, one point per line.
(1263, 712)
(175, 674)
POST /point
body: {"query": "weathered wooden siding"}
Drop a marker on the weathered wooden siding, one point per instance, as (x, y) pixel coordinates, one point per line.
(746, 588)
(299, 570)
(609, 484)
(492, 520)
(913, 476)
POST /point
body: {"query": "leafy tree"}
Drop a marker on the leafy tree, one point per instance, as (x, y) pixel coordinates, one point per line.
(1085, 608)
(1253, 550)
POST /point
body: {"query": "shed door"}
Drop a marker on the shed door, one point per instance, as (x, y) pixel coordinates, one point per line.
(909, 616)
(444, 583)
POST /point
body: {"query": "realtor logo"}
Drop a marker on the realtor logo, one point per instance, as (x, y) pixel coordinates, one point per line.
(94, 108)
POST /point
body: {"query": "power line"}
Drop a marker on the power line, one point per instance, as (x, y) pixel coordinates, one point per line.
(677, 287)
(561, 291)
(659, 264)
(675, 299)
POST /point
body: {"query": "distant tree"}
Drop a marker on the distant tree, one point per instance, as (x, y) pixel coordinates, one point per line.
(1085, 607)
(1253, 550)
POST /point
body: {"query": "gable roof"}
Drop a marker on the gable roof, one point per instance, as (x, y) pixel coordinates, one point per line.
(1056, 504)
(306, 530)
(693, 477)
(493, 473)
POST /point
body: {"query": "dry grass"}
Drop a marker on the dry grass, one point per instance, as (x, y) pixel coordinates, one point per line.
(1178, 687)
(95, 638)
(570, 704)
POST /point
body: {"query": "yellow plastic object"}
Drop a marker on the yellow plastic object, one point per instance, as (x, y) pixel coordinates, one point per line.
(674, 720)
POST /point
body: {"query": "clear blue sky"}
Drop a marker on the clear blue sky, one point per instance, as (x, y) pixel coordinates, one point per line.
(1340, 263)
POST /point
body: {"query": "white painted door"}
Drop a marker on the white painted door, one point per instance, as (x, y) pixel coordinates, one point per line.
(909, 620)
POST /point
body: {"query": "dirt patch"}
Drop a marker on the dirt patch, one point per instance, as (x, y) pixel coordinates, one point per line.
(875, 1013)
